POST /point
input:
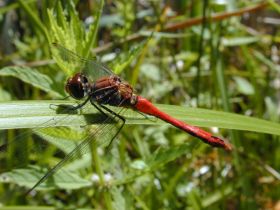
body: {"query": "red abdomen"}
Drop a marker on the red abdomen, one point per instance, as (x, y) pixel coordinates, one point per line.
(145, 106)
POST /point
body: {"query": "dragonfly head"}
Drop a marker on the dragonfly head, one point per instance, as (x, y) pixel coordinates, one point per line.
(78, 86)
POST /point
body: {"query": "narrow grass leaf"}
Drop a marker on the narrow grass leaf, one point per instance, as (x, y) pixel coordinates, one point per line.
(261, 57)
(91, 35)
(32, 114)
(237, 41)
(217, 196)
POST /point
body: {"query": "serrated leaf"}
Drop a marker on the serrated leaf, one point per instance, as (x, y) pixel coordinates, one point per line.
(32, 77)
(61, 19)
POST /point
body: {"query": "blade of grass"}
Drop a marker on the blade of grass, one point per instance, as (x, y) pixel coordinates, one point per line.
(91, 36)
(32, 114)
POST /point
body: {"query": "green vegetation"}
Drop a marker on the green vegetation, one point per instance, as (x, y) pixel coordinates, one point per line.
(207, 63)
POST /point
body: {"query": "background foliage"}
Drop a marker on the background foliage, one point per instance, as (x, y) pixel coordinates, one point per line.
(219, 55)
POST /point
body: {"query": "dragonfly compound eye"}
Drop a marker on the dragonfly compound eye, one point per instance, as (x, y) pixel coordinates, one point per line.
(75, 86)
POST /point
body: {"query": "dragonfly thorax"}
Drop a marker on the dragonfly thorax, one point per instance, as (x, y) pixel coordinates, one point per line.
(78, 86)
(113, 91)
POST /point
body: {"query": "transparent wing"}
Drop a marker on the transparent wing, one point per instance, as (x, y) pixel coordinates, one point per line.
(72, 63)
(51, 147)
(103, 134)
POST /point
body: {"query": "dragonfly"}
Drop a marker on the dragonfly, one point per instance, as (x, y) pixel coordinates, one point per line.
(95, 84)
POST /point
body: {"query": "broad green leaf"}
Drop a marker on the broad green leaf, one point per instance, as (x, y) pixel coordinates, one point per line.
(60, 137)
(32, 77)
(27, 177)
(80, 163)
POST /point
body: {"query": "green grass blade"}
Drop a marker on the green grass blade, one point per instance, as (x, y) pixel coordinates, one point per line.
(91, 35)
(238, 41)
(31, 114)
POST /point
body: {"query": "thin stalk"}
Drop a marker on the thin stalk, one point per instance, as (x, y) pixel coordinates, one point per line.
(99, 170)
(200, 50)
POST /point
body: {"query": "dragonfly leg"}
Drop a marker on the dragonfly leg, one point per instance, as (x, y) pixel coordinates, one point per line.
(65, 109)
(55, 105)
(99, 107)
(80, 105)
(113, 113)
(116, 115)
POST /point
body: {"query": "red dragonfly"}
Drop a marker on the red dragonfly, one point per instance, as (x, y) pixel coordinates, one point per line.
(96, 84)
(112, 90)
